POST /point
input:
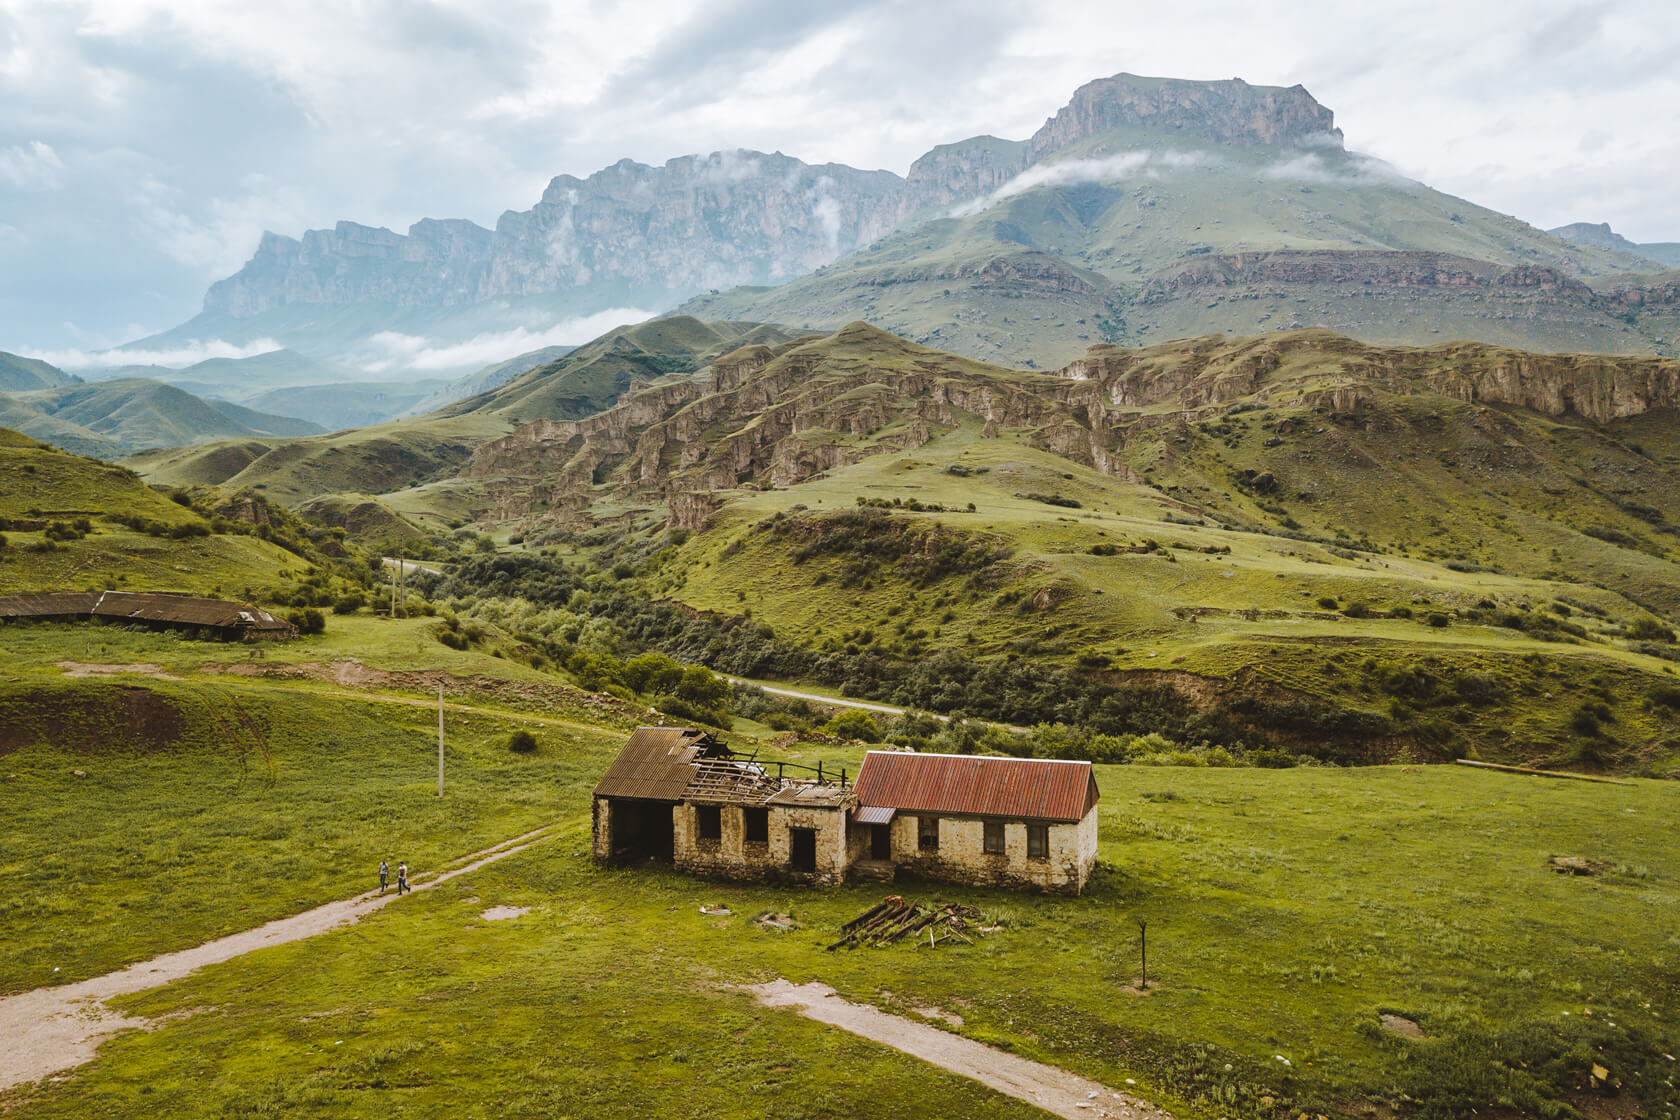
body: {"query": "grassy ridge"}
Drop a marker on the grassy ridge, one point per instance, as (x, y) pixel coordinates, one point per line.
(1131, 582)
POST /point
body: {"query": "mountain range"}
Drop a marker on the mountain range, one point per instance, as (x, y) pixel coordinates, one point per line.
(1144, 209)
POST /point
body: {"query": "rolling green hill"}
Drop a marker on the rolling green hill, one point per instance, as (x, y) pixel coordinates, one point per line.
(114, 418)
(75, 523)
(347, 404)
(427, 451)
(19, 374)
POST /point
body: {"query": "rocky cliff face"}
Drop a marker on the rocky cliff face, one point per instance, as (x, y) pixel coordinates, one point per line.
(1228, 112)
(778, 416)
(697, 222)
(726, 219)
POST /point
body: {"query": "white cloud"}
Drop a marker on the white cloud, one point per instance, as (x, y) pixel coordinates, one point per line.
(1350, 170)
(384, 112)
(32, 167)
(393, 352)
(728, 167)
(1108, 169)
(826, 210)
(174, 357)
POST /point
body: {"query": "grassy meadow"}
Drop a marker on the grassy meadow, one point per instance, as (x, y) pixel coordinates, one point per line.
(210, 803)
(1287, 911)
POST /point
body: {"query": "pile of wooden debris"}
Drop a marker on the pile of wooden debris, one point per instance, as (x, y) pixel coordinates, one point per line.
(895, 919)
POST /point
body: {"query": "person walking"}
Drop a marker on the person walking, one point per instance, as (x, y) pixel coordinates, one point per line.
(402, 879)
(384, 874)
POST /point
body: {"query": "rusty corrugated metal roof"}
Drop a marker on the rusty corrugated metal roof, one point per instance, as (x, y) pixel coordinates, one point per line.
(48, 604)
(655, 763)
(142, 606)
(967, 785)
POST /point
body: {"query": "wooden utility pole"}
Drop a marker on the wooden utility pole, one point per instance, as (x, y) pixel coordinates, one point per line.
(440, 740)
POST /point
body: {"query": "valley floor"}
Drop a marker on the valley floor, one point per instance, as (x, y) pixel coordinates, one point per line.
(1288, 912)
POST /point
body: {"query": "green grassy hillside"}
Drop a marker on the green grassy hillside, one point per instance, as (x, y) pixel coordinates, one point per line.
(1346, 551)
(19, 374)
(592, 377)
(73, 523)
(368, 460)
(421, 452)
(347, 404)
(114, 418)
(1299, 542)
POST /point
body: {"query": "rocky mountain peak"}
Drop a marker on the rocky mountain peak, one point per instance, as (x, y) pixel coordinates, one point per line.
(1224, 112)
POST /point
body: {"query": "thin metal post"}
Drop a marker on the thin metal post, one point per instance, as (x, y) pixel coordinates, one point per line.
(440, 740)
(1143, 950)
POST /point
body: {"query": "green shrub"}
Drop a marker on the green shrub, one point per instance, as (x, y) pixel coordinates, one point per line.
(1328, 602)
(1584, 721)
(308, 620)
(522, 742)
(652, 673)
(1650, 630)
(682, 709)
(348, 604)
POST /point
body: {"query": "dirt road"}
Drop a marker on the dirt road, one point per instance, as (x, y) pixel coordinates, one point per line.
(1056, 1091)
(49, 1030)
(885, 709)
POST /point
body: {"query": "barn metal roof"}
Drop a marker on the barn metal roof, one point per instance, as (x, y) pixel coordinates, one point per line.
(655, 763)
(967, 785)
(874, 815)
(142, 606)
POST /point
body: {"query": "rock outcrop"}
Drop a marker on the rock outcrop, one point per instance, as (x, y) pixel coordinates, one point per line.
(1228, 112)
(763, 416)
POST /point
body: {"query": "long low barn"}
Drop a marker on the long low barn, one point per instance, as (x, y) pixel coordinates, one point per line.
(678, 795)
(156, 609)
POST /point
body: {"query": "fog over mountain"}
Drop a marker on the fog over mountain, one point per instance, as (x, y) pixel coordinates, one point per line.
(147, 146)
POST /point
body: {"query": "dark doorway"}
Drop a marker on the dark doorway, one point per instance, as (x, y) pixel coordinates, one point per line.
(880, 841)
(803, 842)
(641, 831)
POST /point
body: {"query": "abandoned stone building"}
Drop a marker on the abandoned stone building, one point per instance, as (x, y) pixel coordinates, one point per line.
(680, 796)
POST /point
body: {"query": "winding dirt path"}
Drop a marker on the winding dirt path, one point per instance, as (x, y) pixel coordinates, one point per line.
(50, 1030)
(1056, 1091)
(861, 705)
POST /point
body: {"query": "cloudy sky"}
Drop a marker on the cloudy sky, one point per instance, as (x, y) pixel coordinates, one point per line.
(146, 144)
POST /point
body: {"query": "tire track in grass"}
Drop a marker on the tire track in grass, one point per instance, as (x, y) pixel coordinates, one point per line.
(1056, 1091)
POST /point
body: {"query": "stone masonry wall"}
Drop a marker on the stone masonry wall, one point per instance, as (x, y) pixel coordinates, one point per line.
(600, 845)
(962, 857)
(732, 857)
